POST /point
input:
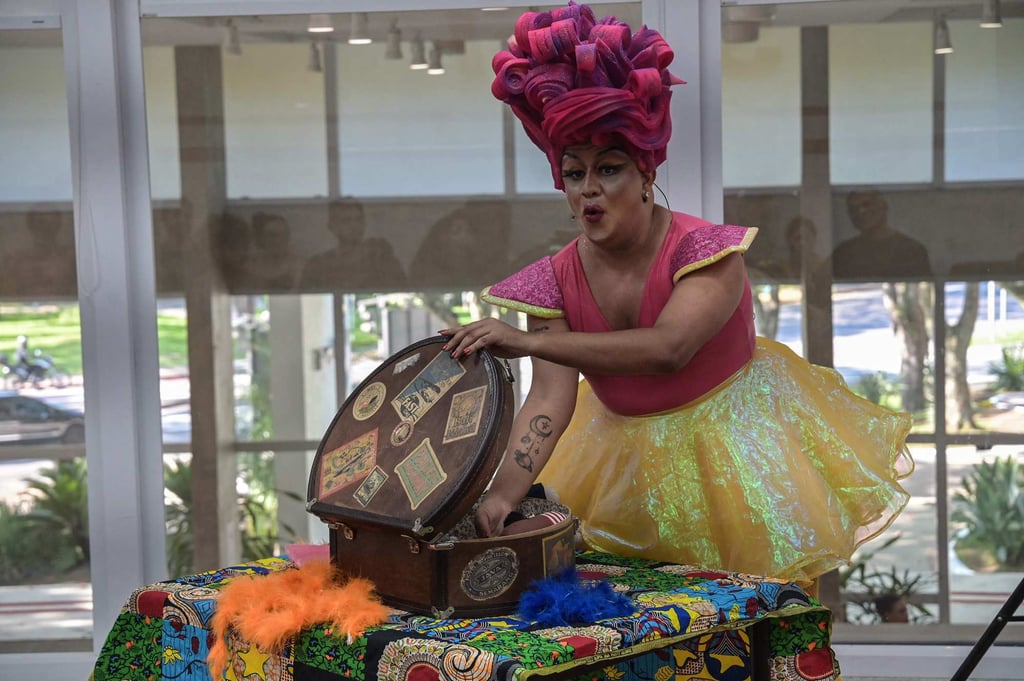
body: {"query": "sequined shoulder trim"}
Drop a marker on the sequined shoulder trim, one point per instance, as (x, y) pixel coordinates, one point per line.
(533, 290)
(706, 245)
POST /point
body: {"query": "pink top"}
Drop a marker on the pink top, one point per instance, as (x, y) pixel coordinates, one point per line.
(690, 244)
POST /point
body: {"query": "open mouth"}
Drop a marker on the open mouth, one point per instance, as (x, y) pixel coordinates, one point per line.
(593, 213)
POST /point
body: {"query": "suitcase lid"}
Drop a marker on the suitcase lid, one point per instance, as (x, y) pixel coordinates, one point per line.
(416, 443)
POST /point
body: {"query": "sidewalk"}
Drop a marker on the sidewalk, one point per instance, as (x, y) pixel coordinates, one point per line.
(46, 612)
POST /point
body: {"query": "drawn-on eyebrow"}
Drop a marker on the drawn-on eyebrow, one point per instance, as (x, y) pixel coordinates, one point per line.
(601, 152)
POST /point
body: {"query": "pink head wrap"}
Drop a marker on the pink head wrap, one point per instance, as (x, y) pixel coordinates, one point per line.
(573, 80)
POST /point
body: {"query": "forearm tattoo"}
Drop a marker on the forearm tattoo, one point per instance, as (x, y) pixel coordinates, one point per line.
(540, 430)
(539, 328)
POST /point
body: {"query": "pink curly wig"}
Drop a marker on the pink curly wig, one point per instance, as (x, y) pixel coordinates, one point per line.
(573, 80)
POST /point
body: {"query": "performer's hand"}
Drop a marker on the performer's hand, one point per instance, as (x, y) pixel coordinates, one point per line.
(491, 514)
(501, 339)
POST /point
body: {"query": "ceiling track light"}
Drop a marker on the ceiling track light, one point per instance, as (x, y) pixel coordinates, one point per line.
(320, 23)
(233, 45)
(991, 16)
(742, 23)
(759, 13)
(394, 48)
(740, 31)
(358, 33)
(435, 68)
(942, 43)
(418, 61)
(314, 65)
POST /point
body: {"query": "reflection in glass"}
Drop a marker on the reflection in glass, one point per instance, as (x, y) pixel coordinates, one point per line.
(872, 230)
(44, 527)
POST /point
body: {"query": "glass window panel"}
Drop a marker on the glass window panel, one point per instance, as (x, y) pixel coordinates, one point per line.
(761, 110)
(885, 234)
(881, 343)
(44, 531)
(986, 557)
(874, 136)
(162, 123)
(985, 382)
(404, 132)
(984, 101)
(33, 119)
(275, 144)
(533, 173)
(884, 238)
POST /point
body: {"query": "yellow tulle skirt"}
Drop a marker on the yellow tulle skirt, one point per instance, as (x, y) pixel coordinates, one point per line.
(781, 471)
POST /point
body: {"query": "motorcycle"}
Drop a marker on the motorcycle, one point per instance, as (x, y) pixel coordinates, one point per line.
(31, 368)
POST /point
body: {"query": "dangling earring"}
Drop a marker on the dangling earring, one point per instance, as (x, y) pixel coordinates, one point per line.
(646, 195)
(573, 216)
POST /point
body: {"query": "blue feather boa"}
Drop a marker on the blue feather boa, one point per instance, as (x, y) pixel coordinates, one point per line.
(562, 600)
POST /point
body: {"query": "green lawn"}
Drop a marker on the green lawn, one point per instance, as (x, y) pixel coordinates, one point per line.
(56, 331)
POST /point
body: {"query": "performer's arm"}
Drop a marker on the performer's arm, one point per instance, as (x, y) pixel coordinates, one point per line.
(700, 304)
(538, 425)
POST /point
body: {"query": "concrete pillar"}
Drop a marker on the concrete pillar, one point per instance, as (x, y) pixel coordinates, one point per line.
(816, 206)
(303, 399)
(200, 94)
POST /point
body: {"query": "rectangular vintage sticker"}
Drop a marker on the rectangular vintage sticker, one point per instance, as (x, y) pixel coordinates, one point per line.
(464, 415)
(374, 481)
(428, 387)
(420, 473)
(348, 463)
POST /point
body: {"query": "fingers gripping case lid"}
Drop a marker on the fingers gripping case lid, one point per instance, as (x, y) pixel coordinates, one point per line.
(415, 444)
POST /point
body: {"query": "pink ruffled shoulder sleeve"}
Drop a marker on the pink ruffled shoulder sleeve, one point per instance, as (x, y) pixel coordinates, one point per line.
(709, 244)
(533, 290)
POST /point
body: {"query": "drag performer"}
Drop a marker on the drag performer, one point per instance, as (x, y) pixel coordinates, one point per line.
(690, 440)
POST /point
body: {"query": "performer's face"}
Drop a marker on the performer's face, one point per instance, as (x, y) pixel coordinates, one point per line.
(603, 187)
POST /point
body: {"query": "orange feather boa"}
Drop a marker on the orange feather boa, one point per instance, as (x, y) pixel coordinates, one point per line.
(268, 610)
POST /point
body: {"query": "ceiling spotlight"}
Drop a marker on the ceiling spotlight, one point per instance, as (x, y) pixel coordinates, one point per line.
(435, 68)
(942, 42)
(232, 43)
(991, 17)
(320, 23)
(394, 49)
(358, 33)
(314, 65)
(740, 31)
(762, 13)
(419, 54)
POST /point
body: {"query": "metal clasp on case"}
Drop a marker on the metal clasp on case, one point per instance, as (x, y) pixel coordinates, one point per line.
(346, 531)
(508, 371)
(412, 543)
(419, 528)
(443, 614)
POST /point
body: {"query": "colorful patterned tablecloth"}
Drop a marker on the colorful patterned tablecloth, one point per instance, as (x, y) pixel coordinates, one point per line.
(689, 624)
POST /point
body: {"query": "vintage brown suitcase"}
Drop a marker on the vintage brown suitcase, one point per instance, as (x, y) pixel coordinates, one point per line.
(399, 471)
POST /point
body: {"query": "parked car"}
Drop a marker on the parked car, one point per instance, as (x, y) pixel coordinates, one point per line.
(28, 420)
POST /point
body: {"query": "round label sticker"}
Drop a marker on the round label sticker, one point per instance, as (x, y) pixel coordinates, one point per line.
(369, 401)
(490, 574)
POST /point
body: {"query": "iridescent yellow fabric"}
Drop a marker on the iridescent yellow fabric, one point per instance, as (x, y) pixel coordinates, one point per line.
(781, 471)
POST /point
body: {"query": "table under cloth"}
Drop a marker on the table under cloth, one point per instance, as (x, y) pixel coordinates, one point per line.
(689, 623)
